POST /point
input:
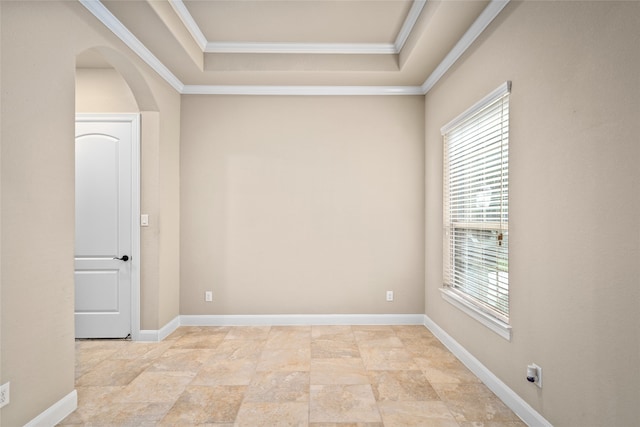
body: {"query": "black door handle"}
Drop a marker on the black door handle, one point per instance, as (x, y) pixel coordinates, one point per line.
(124, 258)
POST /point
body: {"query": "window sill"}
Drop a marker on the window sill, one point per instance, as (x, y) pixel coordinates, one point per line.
(497, 326)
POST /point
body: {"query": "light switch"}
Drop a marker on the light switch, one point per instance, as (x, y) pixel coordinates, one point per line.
(144, 220)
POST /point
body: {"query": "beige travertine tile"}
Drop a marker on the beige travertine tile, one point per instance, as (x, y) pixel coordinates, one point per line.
(336, 333)
(387, 359)
(91, 344)
(346, 425)
(140, 350)
(445, 370)
(249, 333)
(199, 405)
(343, 403)
(278, 387)
(401, 385)
(371, 335)
(288, 337)
(119, 414)
(113, 372)
(181, 359)
(474, 402)
(378, 341)
(91, 352)
(420, 347)
(401, 414)
(97, 396)
(435, 352)
(412, 332)
(286, 359)
(200, 340)
(238, 349)
(269, 414)
(329, 348)
(384, 329)
(338, 371)
(226, 372)
(195, 330)
(88, 359)
(183, 330)
(156, 387)
(88, 352)
(320, 376)
(492, 424)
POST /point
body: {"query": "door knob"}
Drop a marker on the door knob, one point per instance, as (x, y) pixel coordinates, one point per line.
(124, 258)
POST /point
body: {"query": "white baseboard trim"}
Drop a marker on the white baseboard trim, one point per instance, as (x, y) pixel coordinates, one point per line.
(151, 335)
(301, 319)
(521, 408)
(160, 334)
(56, 412)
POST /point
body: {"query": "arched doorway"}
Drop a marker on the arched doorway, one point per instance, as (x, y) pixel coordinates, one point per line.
(107, 83)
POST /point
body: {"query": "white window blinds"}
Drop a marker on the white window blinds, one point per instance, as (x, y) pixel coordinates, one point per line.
(476, 204)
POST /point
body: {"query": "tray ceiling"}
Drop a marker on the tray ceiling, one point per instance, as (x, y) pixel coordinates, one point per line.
(324, 46)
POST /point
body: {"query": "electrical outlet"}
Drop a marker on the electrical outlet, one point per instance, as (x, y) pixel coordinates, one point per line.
(389, 295)
(534, 374)
(4, 394)
(208, 296)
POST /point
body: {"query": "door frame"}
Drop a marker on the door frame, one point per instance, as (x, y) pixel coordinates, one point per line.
(134, 119)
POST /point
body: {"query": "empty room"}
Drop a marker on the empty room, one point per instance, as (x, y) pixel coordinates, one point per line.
(320, 213)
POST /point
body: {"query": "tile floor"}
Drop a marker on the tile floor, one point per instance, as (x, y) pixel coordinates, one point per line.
(276, 376)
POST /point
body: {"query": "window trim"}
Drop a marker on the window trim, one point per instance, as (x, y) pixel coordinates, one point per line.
(499, 327)
(499, 92)
(448, 293)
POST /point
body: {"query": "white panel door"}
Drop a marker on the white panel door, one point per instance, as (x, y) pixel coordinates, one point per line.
(103, 242)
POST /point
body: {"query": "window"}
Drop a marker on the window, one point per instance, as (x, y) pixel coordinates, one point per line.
(476, 210)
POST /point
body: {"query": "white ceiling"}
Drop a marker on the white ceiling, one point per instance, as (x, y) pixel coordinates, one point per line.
(296, 46)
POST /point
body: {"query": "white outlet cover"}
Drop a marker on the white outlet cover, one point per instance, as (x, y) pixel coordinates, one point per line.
(538, 381)
(538, 370)
(4, 394)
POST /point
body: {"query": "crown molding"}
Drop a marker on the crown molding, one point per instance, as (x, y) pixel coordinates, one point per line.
(409, 23)
(302, 48)
(486, 17)
(190, 23)
(112, 23)
(301, 90)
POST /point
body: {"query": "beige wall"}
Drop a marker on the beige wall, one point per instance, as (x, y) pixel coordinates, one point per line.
(574, 205)
(103, 90)
(40, 41)
(302, 205)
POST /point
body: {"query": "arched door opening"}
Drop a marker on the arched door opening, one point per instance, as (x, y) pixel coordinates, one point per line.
(110, 94)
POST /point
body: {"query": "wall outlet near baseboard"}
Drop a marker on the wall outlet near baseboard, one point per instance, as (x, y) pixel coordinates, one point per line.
(208, 296)
(534, 374)
(389, 295)
(4, 394)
